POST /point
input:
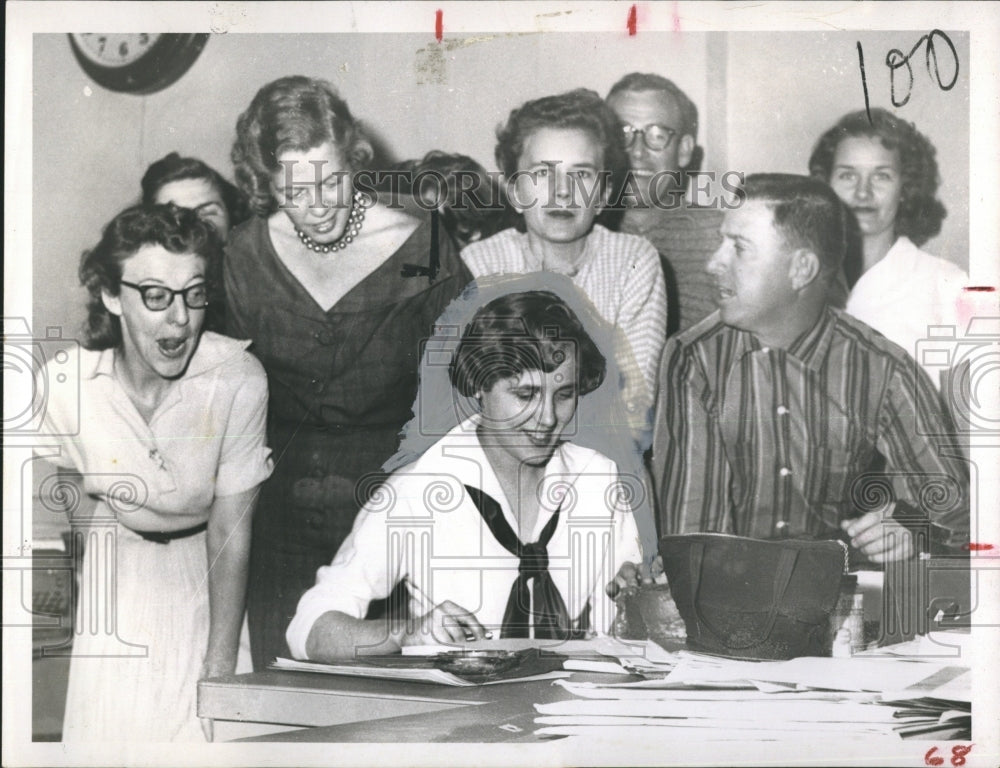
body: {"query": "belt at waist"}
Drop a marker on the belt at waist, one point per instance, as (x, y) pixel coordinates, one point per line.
(165, 537)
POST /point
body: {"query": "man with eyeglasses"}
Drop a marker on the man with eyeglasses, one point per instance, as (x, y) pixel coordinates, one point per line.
(661, 129)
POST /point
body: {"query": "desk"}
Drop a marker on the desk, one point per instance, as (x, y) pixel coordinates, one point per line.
(277, 700)
(344, 709)
(350, 709)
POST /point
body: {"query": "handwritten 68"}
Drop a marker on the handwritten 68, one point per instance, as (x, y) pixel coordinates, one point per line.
(958, 753)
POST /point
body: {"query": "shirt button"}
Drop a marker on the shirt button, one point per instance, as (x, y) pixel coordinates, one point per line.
(784, 471)
(781, 525)
(630, 407)
(323, 337)
(317, 386)
(782, 410)
(765, 350)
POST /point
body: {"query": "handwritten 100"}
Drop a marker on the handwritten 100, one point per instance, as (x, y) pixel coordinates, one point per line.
(896, 60)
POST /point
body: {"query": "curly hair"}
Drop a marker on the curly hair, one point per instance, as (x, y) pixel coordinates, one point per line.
(293, 113)
(173, 167)
(646, 81)
(582, 109)
(517, 332)
(472, 201)
(179, 230)
(920, 212)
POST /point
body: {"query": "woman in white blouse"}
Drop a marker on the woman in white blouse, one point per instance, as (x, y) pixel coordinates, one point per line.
(166, 429)
(885, 170)
(502, 527)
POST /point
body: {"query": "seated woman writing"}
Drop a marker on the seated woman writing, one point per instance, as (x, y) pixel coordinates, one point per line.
(501, 501)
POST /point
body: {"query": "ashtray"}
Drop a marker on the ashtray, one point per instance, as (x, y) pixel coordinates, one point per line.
(477, 662)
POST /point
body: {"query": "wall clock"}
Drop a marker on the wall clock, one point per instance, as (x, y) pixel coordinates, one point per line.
(139, 62)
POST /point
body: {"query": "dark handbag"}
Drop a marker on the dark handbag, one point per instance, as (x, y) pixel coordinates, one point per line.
(754, 599)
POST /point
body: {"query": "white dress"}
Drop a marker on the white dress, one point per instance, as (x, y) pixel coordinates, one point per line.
(422, 526)
(141, 626)
(905, 293)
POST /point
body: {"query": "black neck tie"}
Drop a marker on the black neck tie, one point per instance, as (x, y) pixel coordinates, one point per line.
(551, 619)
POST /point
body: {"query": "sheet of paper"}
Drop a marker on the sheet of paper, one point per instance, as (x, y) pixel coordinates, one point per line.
(949, 684)
(437, 676)
(713, 724)
(654, 689)
(932, 647)
(734, 710)
(851, 674)
(592, 665)
(674, 732)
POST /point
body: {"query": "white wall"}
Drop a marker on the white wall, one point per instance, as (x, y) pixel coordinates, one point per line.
(775, 92)
(786, 88)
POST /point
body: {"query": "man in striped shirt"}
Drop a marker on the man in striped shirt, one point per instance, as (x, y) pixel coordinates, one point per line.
(781, 416)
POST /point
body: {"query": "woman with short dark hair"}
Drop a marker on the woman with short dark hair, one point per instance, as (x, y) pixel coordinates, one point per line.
(564, 160)
(191, 183)
(503, 499)
(170, 444)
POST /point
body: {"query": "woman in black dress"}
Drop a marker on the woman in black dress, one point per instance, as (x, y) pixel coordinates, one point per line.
(337, 292)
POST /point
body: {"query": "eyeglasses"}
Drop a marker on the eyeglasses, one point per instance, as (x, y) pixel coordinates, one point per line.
(655, 136)
(158, 297)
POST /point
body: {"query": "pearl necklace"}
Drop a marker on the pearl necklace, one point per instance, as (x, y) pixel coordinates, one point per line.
(354, 223)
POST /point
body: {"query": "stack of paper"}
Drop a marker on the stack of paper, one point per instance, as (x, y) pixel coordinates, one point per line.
(724, 713)
(888, 694)
(938, 707)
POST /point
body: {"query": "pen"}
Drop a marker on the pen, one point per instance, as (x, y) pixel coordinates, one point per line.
(421, 595)
(425, 598)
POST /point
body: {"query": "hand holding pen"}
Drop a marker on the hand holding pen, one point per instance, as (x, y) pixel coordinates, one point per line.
(443, 623)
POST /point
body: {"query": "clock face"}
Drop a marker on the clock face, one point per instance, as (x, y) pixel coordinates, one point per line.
(137, 62)
(116, 50)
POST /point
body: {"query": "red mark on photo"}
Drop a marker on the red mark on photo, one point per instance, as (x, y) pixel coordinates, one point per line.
(677, 18)
(958, 753)
(439, 25)
(974, 547)
(630, 24)
(975, 301)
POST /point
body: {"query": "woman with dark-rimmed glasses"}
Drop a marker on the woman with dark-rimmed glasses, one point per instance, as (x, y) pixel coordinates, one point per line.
(171, 446)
